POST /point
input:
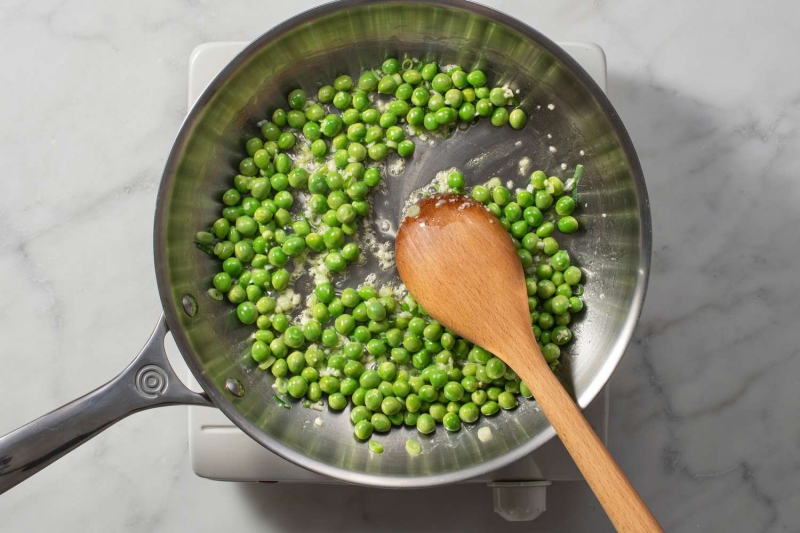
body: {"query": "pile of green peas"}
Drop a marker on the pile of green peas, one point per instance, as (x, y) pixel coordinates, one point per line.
(375, 349)
(431, 99)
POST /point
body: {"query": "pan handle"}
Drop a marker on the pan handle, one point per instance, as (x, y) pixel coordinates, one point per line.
(148, 381)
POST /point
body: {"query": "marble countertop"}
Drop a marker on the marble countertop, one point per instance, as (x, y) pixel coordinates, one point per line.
(703, 406)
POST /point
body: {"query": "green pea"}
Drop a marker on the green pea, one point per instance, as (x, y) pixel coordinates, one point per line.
(543, 199)
(381, 422)
(222, 281)
(565, 206)
(559, 304)
(329, 384)
(453, 391)
(359, 413)
(362, 334)
(436, 102)
(538, 180)
(348, 385)
(297, 99)
(378, 152)
(415, 116)
(387, 371)
(368, 81)
(231, 197)
(345, 324)
(353, 369)
(413, 403)
(296, 119)
(544, 272)
(370, 379)
(560, 260)
(519, 229)
(270, 131)
(400, 355)
(575, 304)
(254, 292)
(410, 419)
(358, 396)
(554, 186)
(517, 119)
(279, 182)
(401, 389)
(363, 430)
(406, 148)
(563, 319)
(331, 126)
(567, 224)
(279, 369)
(343, 83)
(429, 71)
(428, 393)
(451, 422)
(426, 424)
(420, 97)
(481, 194)
(561, 335)
(342, 100)
(500, 116)
(279, 117)
(361, 101)
(476, 78)
(480, 355)
(506, 400)
(489, 408)
(358, 190)
(247, 312)
(492, 392)
(441, 82)
(370, 116)
(376, 347)
(495, 368)
(237, 295)
(445, 115)
(391, 406)
(498, 96)
(468, 412)
(287, 140)
(479, 397)
(330, 338)
(549, 245)
(325, 294)
(546, 320)
(460, 79)
(260, 351)
(399, 108)
(484, 107)
(387, 85)
(248, 167)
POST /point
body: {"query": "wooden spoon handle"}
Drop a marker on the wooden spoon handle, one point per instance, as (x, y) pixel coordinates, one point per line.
(620, 500)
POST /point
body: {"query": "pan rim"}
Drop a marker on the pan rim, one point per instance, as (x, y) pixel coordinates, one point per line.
(226, 405)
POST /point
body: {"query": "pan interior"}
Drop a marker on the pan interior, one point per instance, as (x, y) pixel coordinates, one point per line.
(566, 111)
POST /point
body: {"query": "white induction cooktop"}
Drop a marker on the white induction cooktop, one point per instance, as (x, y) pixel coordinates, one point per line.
(220, 451)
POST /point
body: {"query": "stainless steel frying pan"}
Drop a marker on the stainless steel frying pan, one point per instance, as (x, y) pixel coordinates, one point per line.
(345, 37)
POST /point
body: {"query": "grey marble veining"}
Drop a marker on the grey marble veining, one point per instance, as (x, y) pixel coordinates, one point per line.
(704, 405)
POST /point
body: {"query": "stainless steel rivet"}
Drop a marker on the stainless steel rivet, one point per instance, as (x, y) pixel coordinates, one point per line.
(235, 387)
(189, 305)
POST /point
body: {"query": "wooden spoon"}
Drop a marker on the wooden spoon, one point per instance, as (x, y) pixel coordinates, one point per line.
(461, 266)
